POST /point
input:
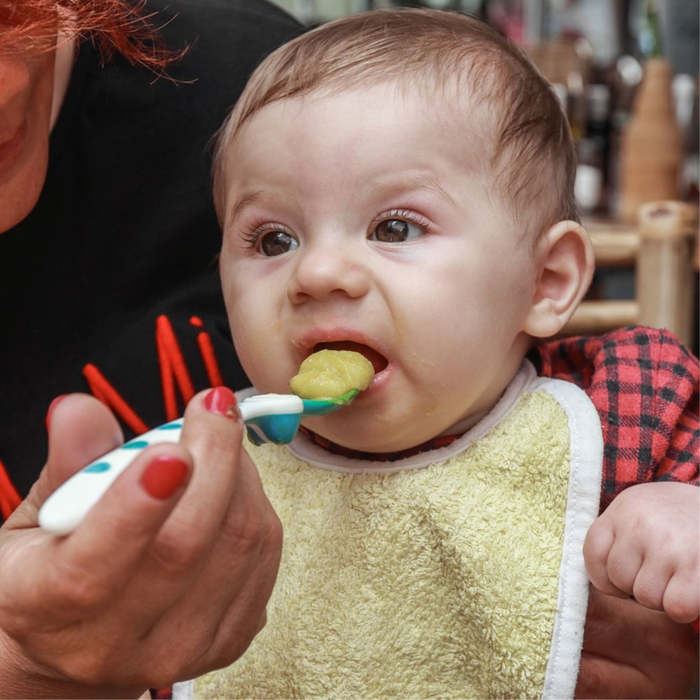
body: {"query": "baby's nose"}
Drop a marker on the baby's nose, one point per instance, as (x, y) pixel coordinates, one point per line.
(327, 269)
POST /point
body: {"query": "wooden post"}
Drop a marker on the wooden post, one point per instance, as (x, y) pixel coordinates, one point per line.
(665, 285)
(593, 317)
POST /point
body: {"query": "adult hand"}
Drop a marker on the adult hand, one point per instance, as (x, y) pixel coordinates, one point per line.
(163, 580)
(632, 652)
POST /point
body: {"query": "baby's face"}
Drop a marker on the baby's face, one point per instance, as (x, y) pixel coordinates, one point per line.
(362, 221)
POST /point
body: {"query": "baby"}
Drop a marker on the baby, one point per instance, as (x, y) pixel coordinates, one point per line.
(400, 183)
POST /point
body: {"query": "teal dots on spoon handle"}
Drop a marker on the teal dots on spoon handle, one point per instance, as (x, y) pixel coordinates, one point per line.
(97, 468)
(68, 505)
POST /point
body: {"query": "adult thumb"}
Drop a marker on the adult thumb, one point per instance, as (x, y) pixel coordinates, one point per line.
(81, 428)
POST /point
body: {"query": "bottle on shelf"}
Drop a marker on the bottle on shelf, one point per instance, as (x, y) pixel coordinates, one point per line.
(651, 152)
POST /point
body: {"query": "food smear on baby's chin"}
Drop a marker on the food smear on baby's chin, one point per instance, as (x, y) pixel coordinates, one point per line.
(327, 374)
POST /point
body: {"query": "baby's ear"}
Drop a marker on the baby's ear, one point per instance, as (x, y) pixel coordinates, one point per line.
(565, 262)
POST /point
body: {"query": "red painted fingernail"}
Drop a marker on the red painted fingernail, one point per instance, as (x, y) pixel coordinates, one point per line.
(163, 476)
(221, 400)
(53, 405)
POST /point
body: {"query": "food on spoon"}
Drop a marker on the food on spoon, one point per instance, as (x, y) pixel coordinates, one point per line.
(327, 374)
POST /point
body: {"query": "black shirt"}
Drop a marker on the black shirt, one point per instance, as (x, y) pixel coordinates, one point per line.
(125, 229)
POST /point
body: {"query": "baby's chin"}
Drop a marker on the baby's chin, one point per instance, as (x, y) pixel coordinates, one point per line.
(372, 439)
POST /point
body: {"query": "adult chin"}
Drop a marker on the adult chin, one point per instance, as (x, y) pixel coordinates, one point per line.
(27, 96)
(18, 205)
(21, 184)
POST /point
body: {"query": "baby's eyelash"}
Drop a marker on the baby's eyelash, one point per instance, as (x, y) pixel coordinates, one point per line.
(407, 214)
(250, 235)
(250, 238)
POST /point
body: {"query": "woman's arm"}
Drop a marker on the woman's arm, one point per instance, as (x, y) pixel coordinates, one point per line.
(632, 652)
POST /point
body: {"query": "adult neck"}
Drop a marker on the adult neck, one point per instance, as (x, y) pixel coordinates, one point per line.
(63, 66)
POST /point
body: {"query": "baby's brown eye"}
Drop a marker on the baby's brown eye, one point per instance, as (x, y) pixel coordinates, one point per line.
(277, 243)
(395, 231)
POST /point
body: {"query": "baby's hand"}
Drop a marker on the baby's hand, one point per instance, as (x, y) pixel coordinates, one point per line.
(646, 545)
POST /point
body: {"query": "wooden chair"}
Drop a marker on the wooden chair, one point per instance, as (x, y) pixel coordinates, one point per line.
(661, 247)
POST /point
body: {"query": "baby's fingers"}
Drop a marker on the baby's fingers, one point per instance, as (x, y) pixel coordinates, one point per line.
(664, 585)
(681, 599)
(597, 548)
(651, 581)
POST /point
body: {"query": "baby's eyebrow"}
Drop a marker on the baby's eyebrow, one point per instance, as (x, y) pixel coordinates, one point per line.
(419, 181)
(243, 202)
(411, 181)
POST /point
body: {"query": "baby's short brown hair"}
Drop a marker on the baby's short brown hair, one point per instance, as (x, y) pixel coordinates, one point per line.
(532, 156)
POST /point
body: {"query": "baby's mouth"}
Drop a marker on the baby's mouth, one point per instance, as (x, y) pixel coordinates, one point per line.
(379, 362)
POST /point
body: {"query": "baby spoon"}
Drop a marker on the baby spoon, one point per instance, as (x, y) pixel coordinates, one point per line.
(268, 418)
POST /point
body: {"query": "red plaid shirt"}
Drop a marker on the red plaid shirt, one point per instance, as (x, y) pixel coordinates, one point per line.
(644, 384)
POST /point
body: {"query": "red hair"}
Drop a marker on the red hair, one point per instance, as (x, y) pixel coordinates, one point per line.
(115, 26)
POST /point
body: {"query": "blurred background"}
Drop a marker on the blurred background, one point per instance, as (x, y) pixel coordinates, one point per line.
(626, 72)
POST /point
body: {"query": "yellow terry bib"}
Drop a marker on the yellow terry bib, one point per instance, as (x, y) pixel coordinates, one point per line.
(452, 580)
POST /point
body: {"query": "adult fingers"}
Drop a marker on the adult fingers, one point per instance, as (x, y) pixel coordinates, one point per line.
(179, 552)
(258, 534)
(606, 668)
(613, 627)
(81, 428)
(212, 434)
(85, 570)
(228, 598)
(596, 674)
(246, 614)
(218, 555)
(631, 651)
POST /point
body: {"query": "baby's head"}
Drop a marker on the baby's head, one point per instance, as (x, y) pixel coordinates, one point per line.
(401, 183)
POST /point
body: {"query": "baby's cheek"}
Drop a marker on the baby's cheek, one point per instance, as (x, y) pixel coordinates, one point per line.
(229, 295)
